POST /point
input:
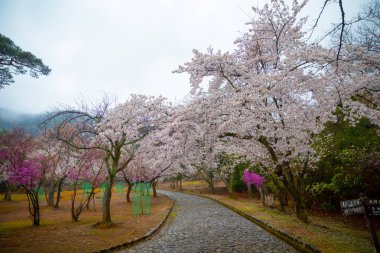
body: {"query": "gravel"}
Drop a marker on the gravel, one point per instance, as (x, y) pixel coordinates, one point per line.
(202, 225)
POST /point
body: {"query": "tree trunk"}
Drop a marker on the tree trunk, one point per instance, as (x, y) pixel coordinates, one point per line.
(51, 191)
(36, 217)
(283, 202)
(129, 191)
(211, 185)
(93, 200)
(8, 193)
(92, 196)
(180, 184)
(34, 208)
(154, 184)
(250, 193)
(300, 212)
(212, 188)
(106, 212)
(281, 193)
(73, 196)
(210, 181)
(228, 187)
(59, 188)
(261, 191)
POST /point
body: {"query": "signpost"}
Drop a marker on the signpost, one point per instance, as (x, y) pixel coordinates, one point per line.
(374, 208)
(370, 208)
(352, 206)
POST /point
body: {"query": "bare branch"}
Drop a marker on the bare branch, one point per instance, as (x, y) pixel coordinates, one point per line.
(343, 23)
(319, 17)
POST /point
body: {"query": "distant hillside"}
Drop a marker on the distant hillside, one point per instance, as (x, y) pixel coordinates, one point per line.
(30, 122)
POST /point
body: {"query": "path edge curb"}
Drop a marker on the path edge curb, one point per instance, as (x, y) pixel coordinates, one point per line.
(298, 244)
(144, 237)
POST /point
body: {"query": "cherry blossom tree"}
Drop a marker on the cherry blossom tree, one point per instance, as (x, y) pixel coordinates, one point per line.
(193, 133)
(356, 69)
(352, 62)
(52, 149)
(87, 168)
(114, 131)
(156, 157)
(272, 93)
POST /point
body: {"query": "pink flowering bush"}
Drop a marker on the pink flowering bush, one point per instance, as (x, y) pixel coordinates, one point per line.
(28, 175)
(251, 178)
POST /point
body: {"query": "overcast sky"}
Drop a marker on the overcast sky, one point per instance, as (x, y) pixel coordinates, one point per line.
(121, 47)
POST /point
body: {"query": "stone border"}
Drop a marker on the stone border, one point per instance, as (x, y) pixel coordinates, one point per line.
(286, 237)
(143, 238)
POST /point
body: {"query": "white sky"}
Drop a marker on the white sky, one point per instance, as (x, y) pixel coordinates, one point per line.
(121, 47)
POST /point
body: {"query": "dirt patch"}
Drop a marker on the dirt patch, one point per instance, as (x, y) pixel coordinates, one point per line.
(57, 233)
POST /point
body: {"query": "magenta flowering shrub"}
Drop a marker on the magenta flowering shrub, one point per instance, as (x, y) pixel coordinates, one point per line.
(251, 178)
(27, 175)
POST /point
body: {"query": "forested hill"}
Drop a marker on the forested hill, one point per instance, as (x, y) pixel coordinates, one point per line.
(30, 122)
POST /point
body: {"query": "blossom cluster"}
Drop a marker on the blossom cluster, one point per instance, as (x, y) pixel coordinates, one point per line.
(251, 178)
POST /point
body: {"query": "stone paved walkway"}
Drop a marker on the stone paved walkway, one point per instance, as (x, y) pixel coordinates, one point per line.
(202, 225)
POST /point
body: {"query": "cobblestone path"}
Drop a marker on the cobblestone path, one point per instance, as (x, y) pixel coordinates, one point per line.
(202, 225)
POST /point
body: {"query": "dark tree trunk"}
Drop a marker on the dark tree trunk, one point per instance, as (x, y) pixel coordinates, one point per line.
(59, 188)
(281, 193)
(283, 202)
(154, 184)
(76, 211)
(212, 188)
(250, 193)
(36, 217)
(300, 211)
(74, 217)
(130, 185)
(34, 207)
(8, 193)
(180, 184)
(92, 193)
(92, 196)
(261, 194)
(294, 186)
(51, 191)
(106, 212)
(211, 185)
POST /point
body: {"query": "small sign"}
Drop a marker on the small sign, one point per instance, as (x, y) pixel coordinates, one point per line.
(353, 210)
(352, 206)
(374, 211)
(373, 202)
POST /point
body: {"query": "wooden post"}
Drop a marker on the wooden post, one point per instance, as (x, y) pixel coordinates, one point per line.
(371, 227)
